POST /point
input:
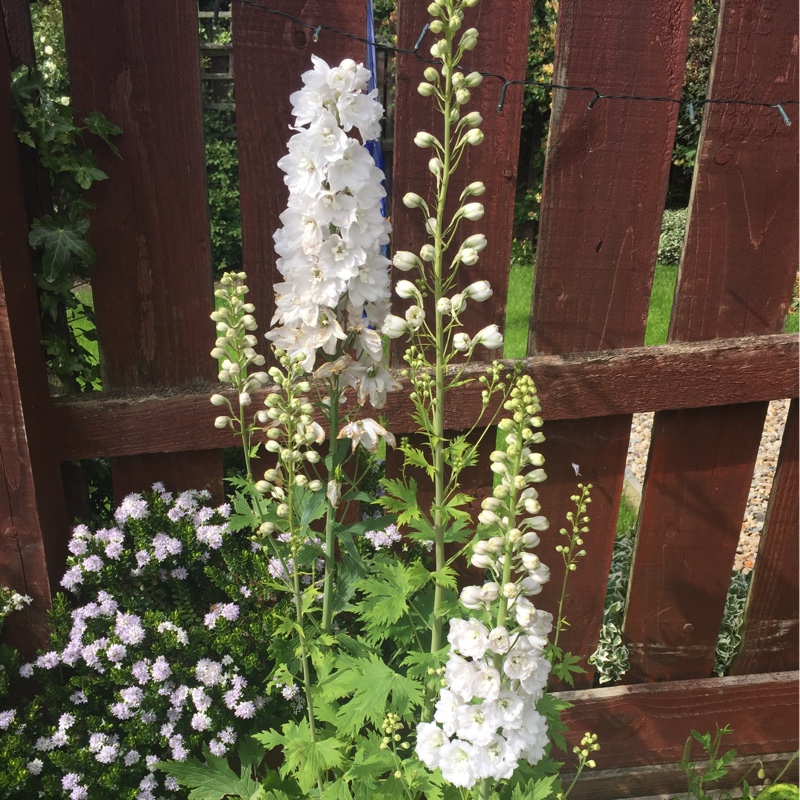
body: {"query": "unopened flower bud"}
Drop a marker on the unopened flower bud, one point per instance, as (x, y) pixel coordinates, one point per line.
(473, 211)
(474, 189)
(473, 79)
(221, 422)
(405, 261)
(427, 252)
(407, 290)
(431, 74)
(443, 306)
(394, 327)
(473, 119)
(218, 353)
(218, 400)
(477, 242)
(478, 291)
(426, 89)
(490, 337)
(423, 139)
(413, 200)
(462, 96)
(474, 137)
(468, 256)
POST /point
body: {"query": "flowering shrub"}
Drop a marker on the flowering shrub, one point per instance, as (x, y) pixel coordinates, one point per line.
(156, 653)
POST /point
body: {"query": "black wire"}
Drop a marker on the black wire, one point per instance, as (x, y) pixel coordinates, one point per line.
(692, 105)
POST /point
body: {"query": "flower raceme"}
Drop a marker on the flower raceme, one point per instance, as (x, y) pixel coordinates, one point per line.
(335, 287)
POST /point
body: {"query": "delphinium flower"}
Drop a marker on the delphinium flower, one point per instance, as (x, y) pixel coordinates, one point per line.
(335, 290)
(486, 719)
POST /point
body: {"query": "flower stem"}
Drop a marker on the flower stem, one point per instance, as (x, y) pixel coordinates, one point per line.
(438, 419)
(330, 516)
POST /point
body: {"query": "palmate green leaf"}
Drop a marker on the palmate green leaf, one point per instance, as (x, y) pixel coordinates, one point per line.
(213, 780)
(338, 790)
(419, 662)
(535, 789)
(60, 241)
(416, 458)
(304, 758)
(375, 688)
(400, 499)
(387, 590)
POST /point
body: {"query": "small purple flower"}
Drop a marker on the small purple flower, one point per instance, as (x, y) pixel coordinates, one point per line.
(114, 550)
(79, 698)
(93, 564)
(227, 735)
(161, 669)
(217, 748)
(26, 670)
(209, 673)
(131, 757)
(164, 546)
(129, 628)
(121, 711)
(47, 661)
(245, 710)
(134, 506)
(72, 577)
(70, 781)
(6, 718)
(142, 558)
(201, 721)
(383, 539)
(180, 573)
(141, 671)
(132, 695)
(77, 546)
(116, 652)
(224, 510)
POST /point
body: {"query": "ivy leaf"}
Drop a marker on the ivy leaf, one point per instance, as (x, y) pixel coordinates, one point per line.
(97, 124)
(60, 241)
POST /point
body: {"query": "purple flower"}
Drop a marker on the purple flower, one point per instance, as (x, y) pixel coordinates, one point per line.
(164, 546)
(217, 748)
(141, 671)
(72, 577)
(93, 564)
(116, 652)
(131, 757)
(180, 573)
(132, 695)
(70, 781)
(129, 628)
(385, 538)
(245, 710)
(142, 558)
(79, 698)
(134, 506)
(208, 672)
(6, 718)
(47, 661)
(211, 535)
(224, 510)
(201, 721)
(161, 669)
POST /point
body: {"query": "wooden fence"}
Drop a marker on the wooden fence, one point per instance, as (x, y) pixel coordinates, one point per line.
(604, 189)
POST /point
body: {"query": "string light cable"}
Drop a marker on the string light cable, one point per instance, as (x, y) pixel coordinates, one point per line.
(692, 105)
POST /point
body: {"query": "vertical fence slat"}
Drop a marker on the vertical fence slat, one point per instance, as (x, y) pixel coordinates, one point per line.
(604, 186)
(735, 279)
(32, 514)
(270, 54)
(770, 636)
(138, 63)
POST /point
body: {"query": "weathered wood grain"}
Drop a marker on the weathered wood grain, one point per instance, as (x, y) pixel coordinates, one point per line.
(650, 723)
(574, 386)
(770, 636)
(652, 783)
(270, 54)
(32, 512)
(152, 282)
(735, 279)
(605, 180)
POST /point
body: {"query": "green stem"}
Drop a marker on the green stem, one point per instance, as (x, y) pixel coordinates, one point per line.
(330, 516)
(438, 419)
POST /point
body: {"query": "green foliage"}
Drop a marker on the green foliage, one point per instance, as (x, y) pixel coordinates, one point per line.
(730, 635)
(62, 254)
(213, 779)
(670, 243)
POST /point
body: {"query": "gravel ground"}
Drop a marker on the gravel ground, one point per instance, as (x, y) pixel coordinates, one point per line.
(759, 488)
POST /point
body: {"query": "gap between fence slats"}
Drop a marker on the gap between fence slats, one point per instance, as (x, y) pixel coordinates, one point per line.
(32, 513)
(701, 463)
(770, 635)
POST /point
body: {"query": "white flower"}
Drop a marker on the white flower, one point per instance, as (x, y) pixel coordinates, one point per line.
(458, 762)
(367, 433)
(430, 741)
(461, 342)
(469, 638)
(499, 641)
(477, 723)
(394, 327)
(478, 291)
(490, 337)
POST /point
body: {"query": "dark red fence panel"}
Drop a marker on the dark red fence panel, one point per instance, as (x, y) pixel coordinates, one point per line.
(735, 280)
(138, 63)
(604, 186)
